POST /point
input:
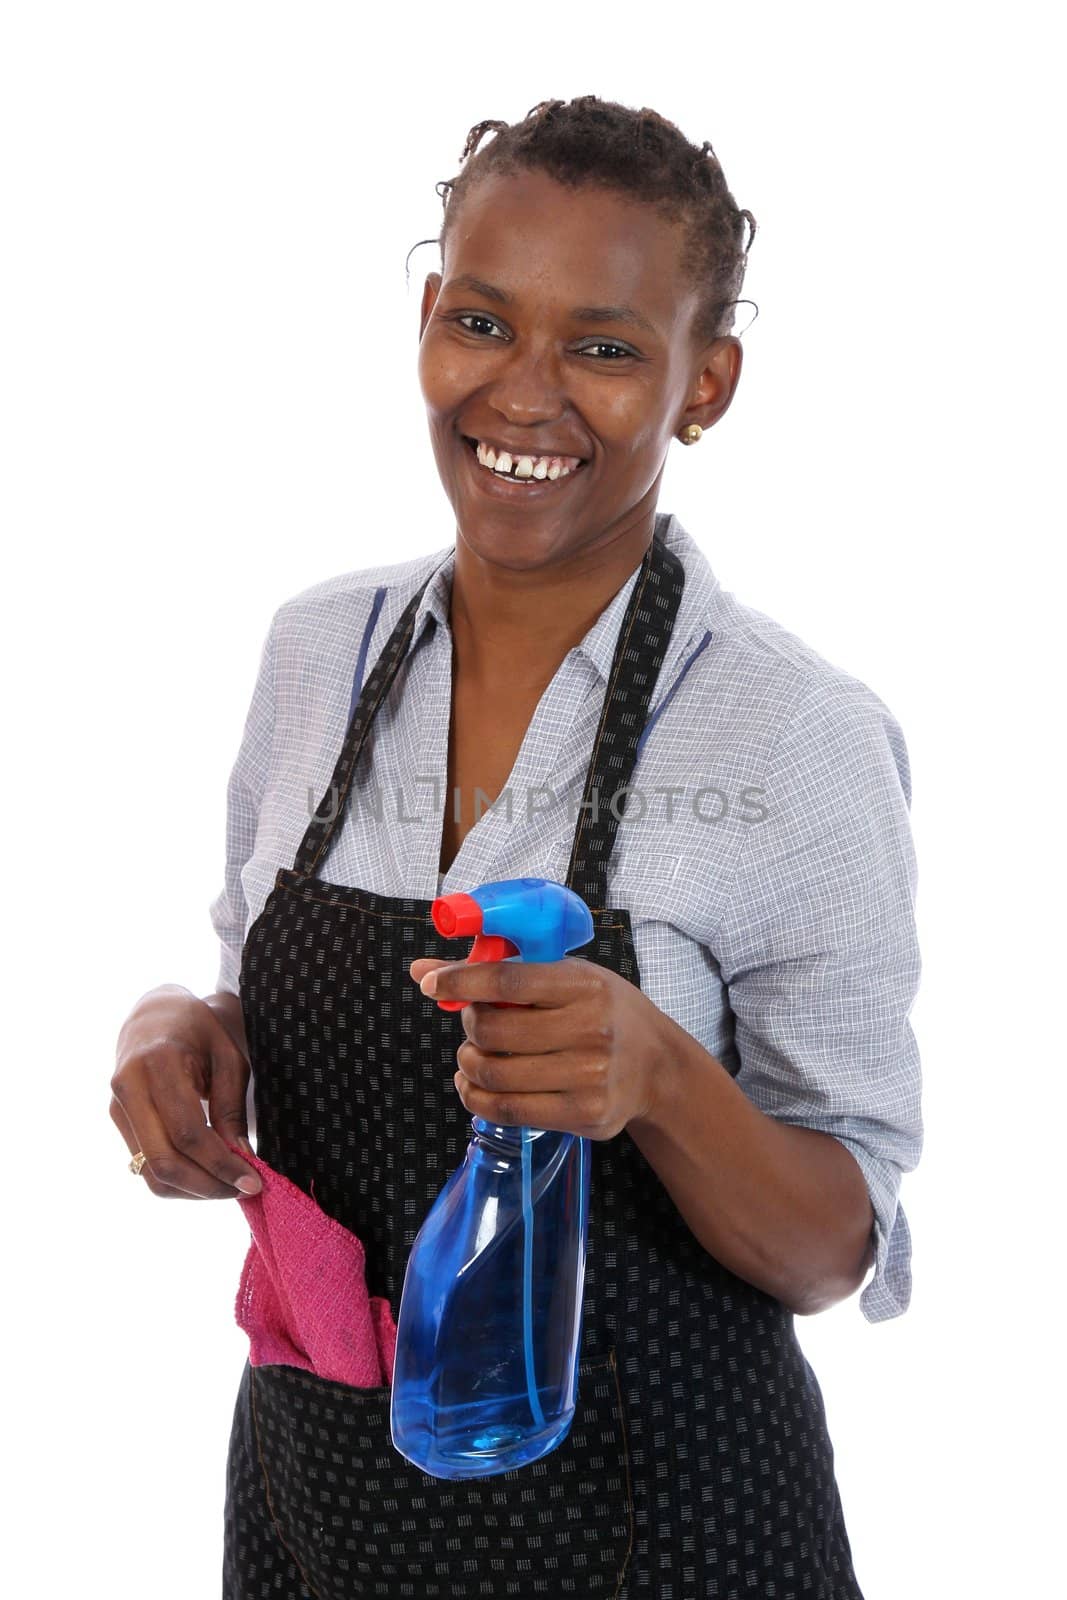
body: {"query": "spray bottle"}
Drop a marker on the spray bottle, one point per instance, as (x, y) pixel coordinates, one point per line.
(489, 1328)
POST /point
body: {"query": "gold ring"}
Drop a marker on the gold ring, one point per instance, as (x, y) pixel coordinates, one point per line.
(137, 1163)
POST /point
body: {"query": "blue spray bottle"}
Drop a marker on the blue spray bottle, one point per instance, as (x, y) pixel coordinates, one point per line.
(488, 1333)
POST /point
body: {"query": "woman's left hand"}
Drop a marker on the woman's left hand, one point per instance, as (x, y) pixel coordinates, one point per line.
(580, 1053)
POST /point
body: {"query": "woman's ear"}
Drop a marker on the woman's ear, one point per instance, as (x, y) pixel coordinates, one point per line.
(717, 381)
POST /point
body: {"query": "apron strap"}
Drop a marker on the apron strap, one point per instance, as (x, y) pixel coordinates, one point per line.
(329, 812)
(644, 636)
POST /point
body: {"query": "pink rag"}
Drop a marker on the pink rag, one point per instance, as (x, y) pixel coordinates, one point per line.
(303, 1297)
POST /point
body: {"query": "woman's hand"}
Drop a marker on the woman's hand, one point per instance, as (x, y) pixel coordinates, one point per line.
(582, 1055)
(173, 1052)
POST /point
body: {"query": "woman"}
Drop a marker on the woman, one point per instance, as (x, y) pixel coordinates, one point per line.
(734, 1040)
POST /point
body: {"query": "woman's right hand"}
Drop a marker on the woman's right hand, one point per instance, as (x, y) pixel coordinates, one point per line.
(173, 1052)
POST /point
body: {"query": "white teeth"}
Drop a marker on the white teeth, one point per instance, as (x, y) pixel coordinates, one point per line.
(524, 466)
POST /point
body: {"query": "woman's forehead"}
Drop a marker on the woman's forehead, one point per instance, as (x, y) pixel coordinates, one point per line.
(535, 239)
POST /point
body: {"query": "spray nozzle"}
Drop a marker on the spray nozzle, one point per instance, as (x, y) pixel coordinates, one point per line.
(525, 919)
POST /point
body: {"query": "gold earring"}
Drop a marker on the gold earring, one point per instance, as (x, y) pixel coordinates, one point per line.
(691, 434)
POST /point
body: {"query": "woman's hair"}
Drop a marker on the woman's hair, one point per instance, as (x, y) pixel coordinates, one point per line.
(639, 154)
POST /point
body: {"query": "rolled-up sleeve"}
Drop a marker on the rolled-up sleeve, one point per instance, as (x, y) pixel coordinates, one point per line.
(819, 953)
(244, 796)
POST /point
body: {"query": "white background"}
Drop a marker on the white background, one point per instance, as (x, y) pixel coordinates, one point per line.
(210, 401)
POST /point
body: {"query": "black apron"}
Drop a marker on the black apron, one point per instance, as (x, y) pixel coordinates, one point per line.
(698, 1462)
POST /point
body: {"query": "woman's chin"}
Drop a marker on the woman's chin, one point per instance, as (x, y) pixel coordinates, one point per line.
(497, 539)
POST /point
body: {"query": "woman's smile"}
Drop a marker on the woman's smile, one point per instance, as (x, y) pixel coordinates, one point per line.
(505, 485)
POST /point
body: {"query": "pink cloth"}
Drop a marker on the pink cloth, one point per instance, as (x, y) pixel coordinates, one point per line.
(303, 1297)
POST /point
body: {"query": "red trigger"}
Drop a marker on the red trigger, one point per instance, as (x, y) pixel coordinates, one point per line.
(492, 947)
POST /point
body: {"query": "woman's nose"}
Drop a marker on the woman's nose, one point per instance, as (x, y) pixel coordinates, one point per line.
(529, 387)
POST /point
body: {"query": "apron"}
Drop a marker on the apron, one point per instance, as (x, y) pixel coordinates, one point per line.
(698, 1462)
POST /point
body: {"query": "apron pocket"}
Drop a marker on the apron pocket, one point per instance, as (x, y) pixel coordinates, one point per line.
(360, 1519)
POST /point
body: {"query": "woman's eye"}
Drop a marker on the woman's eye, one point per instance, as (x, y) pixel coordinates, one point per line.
(601, 344)
(472, 316)
(604, 344)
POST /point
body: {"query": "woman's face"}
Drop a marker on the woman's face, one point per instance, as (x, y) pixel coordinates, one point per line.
(507, 356)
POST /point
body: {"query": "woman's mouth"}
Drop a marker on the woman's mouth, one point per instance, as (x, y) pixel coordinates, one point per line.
(512, 476)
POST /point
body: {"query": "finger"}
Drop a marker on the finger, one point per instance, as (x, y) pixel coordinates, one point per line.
(125, 1127)
(164, 1191)
(215, 1169)
(534, 983)
(524, 1030)
(418, 969)
(521, 1074)
(166, 1118)
(541, 1110)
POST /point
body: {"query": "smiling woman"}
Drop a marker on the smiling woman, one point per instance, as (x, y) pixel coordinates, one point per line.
(734, 1039)
(589, 253)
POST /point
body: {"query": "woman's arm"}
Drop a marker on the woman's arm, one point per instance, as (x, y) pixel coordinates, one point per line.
(777, 1170)
(784, 1207)
(244, 797)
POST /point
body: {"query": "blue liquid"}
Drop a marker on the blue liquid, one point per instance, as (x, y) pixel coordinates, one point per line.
(493, 1293)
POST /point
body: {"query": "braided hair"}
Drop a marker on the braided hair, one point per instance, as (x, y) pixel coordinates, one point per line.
(589, 141)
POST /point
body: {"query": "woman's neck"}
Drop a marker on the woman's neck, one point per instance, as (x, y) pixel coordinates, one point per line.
(514, 627)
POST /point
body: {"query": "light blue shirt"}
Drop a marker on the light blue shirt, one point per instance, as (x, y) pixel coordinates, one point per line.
(765, 855)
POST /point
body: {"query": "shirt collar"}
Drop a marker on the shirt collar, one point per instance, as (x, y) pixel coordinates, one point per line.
(598, 646)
